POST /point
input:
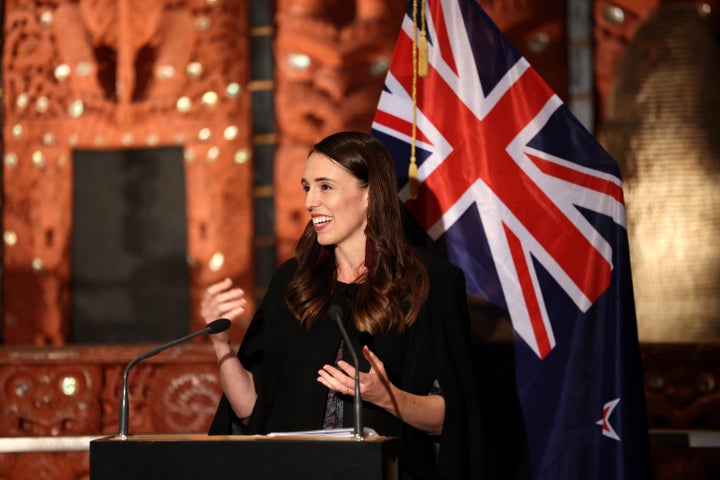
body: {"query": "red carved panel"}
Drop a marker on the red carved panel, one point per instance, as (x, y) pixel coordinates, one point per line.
(50, 400)
(682, 385)
(673, 463)
(682, 391)
(76, 391)
(47, 465)
(163, 398)
(115, 75)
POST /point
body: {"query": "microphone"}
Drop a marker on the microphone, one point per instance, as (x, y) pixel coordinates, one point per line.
(216, 326)
(336, 314)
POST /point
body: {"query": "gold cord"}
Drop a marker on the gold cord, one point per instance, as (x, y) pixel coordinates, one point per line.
(412, 169)
(423, 49)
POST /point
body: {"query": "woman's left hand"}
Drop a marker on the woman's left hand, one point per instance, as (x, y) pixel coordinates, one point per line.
(424, 412)
(374, 385)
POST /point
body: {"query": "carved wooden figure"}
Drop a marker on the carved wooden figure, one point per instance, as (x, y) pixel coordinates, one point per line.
(106, 74)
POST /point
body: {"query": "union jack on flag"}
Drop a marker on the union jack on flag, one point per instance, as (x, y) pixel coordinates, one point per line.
(526, 201)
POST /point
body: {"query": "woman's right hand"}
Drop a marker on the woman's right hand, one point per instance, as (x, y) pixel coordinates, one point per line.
(222, 301)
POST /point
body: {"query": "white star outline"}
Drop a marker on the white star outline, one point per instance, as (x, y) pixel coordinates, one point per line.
(607, 428)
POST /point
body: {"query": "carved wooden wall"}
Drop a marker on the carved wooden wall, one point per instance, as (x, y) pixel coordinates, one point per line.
(69, 394)
(331, 58)
(330, 61)
(74, 391)
(120, 75)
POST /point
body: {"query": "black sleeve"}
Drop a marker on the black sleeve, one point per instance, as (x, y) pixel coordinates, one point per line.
(250, 354)
(253, 354)
(461, 444)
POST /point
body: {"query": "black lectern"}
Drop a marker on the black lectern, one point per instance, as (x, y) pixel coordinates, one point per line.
(179, 457)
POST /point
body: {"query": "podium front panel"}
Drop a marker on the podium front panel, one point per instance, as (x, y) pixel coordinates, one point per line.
(194, 457)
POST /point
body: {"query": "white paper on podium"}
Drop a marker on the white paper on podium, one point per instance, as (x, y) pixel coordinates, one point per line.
(329, 432)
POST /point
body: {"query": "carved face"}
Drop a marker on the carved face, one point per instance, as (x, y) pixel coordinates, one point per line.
(42, 400)
(328, 79)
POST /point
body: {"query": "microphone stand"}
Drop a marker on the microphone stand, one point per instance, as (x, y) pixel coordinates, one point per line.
(358, 432)
(216, 326)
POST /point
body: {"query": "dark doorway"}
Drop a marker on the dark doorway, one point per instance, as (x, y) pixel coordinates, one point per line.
(130, 275)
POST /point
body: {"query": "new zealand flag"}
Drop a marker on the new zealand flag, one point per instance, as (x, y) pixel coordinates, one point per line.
(527, 202)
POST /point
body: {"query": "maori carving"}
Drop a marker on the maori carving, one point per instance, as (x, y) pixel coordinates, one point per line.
(126, 54)
(615, 25)
(183, 401)
(331, 60)
(137, 395)
(106, 74)
(109, 397)
(57, 465)
(682, 386)
(289, 159)
(42, 396)
(165, 397)
(43, 400)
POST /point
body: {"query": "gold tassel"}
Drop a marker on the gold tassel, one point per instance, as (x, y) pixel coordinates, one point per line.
(423, 57)
(412, 169)
(412, 179)
(423, 48)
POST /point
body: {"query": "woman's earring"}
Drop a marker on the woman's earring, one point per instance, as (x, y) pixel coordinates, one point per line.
(322, 257)
(369, 253)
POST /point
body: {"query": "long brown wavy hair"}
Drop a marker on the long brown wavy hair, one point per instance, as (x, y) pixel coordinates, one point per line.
(396, 284)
